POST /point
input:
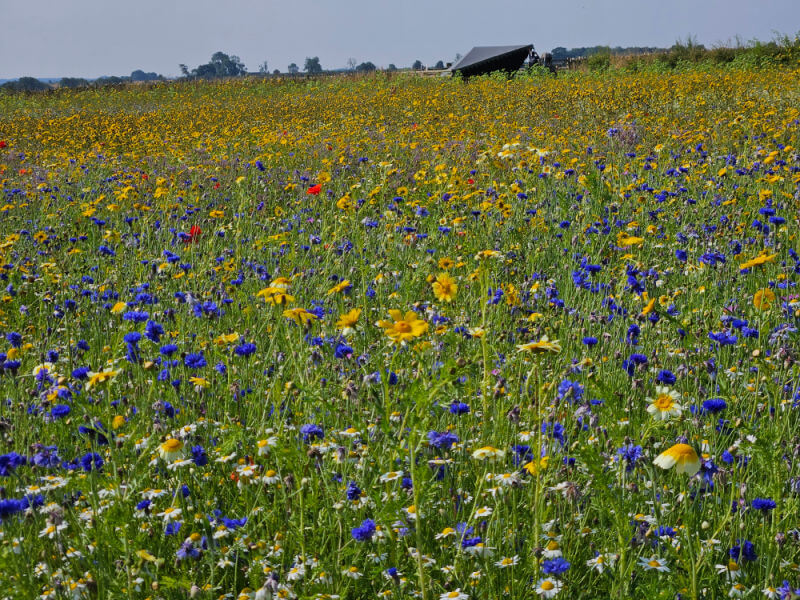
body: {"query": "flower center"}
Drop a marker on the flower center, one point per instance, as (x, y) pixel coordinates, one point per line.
(654, 563)
(402, 326)
(547, 585)
(663, 402)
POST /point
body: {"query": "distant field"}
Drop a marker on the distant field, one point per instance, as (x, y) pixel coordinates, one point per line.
(402, 337)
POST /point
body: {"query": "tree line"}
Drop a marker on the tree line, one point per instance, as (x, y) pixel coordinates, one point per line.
(31, 84)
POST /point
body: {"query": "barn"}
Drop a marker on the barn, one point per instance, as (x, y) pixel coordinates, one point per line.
(486, 59)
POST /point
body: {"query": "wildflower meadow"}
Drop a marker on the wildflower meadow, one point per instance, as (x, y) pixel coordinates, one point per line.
(400, 337)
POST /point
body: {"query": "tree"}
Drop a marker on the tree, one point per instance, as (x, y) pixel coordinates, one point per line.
(439, 65)
(139, 75)
(276, 72)
(366, 67)
(417, 66)
(293, 69)
(221, 65)
(458, 57)
(351, 64)
(391, 67)
(263, 68)
(312, 66)
(26, 84)
(73, 82)
(227, 66)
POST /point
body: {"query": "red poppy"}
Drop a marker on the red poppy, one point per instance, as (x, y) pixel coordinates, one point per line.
(3, 144)
(194, 233)
(470, 181)
(314, 190)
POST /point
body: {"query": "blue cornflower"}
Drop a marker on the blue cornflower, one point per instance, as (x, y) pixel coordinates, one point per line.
(91, 461)
(666, 376)
(199, 456)
(153, 331)
(743, 549)
(590, 341)
(9, 462)
(245, 349)
(168, 349)
(630, 453)
(714, 405)
(137, 316)
(570, 389)
(195, 360)
(443, 440)
(132, 338)
(343, 351)
(365, 531)
(311, 431)
(722, 338)
(458, 408)
(763, 504)
(353, 491)
(59, 411)
(555, 566)
(172, 528)
(14, 338)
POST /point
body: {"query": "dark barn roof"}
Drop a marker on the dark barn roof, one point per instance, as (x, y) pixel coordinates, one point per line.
(485, 59)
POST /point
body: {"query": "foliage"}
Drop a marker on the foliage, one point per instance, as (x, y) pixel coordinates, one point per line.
(365, 67)
(25, 84)
(220, 65)
(73, 82)
(312, 66)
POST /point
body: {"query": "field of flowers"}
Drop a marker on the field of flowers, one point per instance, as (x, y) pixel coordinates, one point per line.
(395, 337)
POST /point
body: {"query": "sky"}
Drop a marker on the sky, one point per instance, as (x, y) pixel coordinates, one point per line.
(91, 38)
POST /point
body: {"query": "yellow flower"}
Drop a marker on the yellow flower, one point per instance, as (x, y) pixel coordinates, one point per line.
(445, 287)
(339, 287)
(227, 338)
(649, 307)
(100, 377)
(533, 468)
(763, 299)
(275, 295)
(171, 450)
(300, 316)
(281, 282)
(403, 328)
(446, 263)
(199, 382)
(682, 455)
(624, 240)
(118, 307)
(484, 254)
(543, 345)
(347, 322)
(118, 422)
(757, 261)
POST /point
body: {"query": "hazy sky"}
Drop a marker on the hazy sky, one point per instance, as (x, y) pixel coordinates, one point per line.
(90, 38)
